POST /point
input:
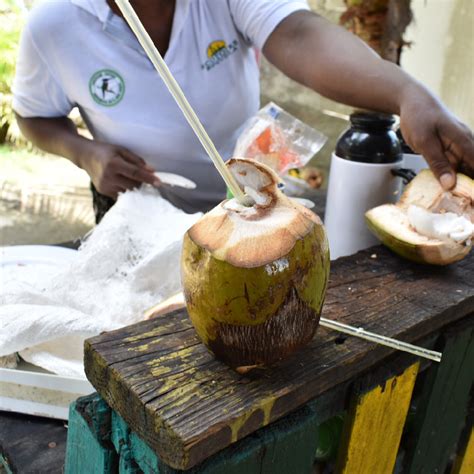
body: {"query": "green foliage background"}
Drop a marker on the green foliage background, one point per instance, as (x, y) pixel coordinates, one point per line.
(12, 13)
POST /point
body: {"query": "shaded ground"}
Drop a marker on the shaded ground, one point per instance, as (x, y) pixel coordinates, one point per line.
(21, 226)
(43, 199)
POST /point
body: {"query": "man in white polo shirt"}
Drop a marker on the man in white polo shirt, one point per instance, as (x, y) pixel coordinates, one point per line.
(82, 53)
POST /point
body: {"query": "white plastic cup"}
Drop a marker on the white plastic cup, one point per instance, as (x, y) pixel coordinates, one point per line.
(353, 189)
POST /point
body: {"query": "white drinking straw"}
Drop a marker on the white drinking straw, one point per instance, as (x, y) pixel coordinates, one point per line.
(155, 57)
(384, 341)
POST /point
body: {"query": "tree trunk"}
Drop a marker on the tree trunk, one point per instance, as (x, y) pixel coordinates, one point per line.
(380, 23)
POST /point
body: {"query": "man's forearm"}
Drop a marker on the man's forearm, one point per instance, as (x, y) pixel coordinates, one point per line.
(336, 64)
(55, 135)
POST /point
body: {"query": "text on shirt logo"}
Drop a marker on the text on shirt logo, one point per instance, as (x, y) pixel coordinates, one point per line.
(218, 51)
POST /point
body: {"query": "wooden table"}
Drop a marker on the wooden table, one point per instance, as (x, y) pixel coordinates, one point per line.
(186, 406)
(30, 444)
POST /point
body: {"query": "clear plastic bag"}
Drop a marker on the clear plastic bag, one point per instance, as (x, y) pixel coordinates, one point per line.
(279, 140)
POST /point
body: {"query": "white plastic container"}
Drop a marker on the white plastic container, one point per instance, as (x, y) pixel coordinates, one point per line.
(353, 189)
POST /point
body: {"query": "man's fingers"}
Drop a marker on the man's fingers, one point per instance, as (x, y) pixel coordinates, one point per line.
(458, 143)
(110, 190)
(458, 139)
(135, 160)
(452, 158)
(439, 163)
(463, 166)
(136, 173)
(125, 183)
(131, 157)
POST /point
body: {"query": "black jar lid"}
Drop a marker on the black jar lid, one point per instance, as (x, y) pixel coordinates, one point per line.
(372, 120)
(370, 139)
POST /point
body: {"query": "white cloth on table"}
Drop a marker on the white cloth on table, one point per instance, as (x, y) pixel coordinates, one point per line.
(128, 263)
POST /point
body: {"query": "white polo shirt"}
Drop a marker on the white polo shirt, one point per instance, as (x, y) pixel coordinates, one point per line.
(78, 53)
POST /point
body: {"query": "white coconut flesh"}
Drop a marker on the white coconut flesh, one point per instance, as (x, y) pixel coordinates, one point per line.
(420, 227)
(258, 233)
(440, 226)
(438, 223)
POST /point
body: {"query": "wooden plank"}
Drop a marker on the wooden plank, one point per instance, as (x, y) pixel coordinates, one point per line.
(375, 424)
(186, 405)
(465, 463)
(443, 406)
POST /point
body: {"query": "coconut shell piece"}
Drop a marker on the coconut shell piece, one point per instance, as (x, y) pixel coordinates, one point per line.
(391, 223)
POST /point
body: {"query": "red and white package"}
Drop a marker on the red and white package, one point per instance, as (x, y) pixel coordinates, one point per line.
(279, 140)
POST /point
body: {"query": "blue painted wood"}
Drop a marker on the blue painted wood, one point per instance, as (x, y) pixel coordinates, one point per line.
(4, 465)
(120, 438)
(97, 415)
(85, 453)
(287, 445)
(145, 458)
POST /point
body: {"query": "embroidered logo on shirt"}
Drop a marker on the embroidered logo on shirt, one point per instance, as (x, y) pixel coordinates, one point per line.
(217, 51)
(107, 87)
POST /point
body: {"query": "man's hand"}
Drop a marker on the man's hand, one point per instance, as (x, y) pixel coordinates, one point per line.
(432, 131)
(114, 169)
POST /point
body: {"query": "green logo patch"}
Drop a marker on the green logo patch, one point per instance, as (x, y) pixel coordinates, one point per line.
(107, 87)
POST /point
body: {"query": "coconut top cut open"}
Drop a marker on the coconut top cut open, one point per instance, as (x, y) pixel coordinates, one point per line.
(428, 224)
(263, 230)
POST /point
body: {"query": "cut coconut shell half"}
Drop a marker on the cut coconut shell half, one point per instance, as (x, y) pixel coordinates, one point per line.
(428, 224)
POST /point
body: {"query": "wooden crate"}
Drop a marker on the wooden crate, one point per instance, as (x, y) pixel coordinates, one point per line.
(100, 441)
(181, 409)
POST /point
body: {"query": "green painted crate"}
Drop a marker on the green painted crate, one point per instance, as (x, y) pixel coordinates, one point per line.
(100, 441)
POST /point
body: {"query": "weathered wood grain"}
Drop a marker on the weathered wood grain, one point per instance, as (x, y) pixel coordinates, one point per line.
(186, 405)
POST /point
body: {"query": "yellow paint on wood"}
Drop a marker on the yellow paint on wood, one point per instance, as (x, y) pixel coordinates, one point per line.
(465, 463)
(236, 425)
(376, 424)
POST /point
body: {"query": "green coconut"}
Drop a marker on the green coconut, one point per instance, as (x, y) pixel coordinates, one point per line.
(428, 224)
(254, 277)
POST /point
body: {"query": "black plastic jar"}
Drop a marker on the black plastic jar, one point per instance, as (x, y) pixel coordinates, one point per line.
(370, 139)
